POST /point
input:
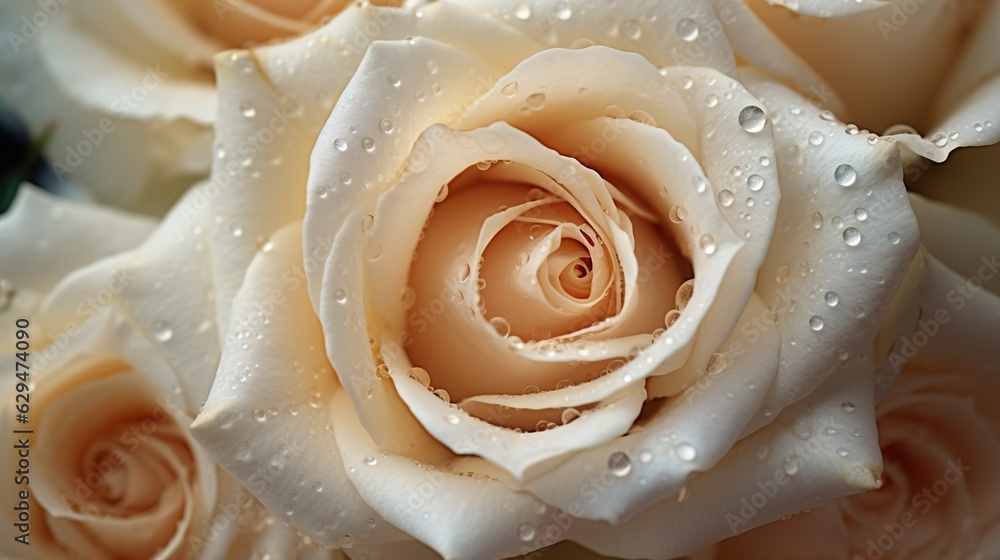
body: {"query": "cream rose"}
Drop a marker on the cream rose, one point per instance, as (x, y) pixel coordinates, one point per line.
(539, 293)
(938, 429)
(130, 85)
(112, 470)
(924, 71)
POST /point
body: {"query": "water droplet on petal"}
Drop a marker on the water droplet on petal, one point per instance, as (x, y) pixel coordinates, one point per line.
(752, 118)
(816, 138)
(509, 90)
(755, 182)
(501, 325)
(419, 375)
(247, 110)
(631, 29)
(569, 415)
(707, 243)
(526, 532)
(852, 236)
(687, 29)
(817, 220)
(619, 464)
(848, 406)
(816, 323)
(340, 144)
(462, 272)
(535, 101)
(831, 299)
(845, 175)
(686, 452)
(726, 197)
(564, 11)
(243, 451)
(684, 294)
(791, 464)
(162, 331)
(717, 364)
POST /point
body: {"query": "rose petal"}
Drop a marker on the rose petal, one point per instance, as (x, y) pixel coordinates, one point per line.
(441, 509)
(958, 323)
(623, 27)
(55, 236)
(246, 23)
(401, 211)
(674, 441)
(978, 64)
(612, 82)
(945, 182)
(897, 325)
(962, 241)
(828, 287)
(972, 123)
(967, 100)
(283, 133)
(154, 468)
(248, 400)
(761, 47)
(106, 124)
(792, 474)
(99, 350)
(391, 551)
(862, 47)
(164, 288)
(819, 534)
(157, 30)
(821, 8)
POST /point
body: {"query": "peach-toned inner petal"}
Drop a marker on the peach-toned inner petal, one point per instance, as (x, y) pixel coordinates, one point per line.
(548, 272)
(935, 445)
(115, 472)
